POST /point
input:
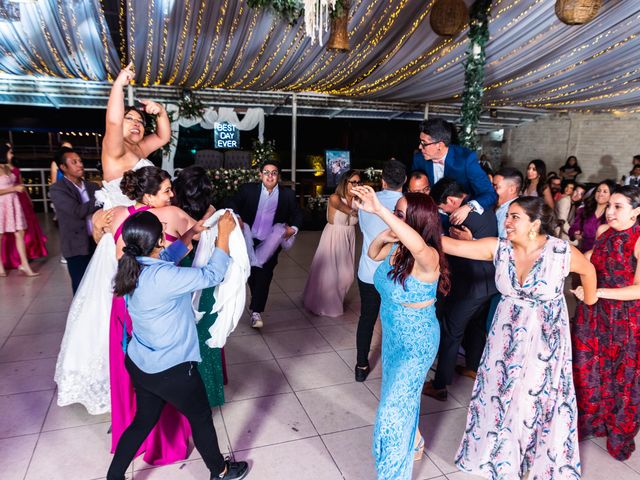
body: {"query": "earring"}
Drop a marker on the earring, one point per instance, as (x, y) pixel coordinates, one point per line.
(532, 234)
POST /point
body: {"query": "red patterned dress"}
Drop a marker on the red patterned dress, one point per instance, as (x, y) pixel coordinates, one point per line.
(606, 349)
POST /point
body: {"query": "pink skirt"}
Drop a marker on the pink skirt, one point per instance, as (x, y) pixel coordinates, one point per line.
(34, 239)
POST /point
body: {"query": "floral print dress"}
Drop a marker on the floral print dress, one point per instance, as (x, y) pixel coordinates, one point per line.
(523, 415)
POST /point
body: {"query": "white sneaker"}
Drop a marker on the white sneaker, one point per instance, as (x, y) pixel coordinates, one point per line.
(256, 320)
(63, 260)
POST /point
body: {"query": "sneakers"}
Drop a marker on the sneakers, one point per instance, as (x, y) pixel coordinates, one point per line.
(235, 471)
(63, 260)
(256, 320)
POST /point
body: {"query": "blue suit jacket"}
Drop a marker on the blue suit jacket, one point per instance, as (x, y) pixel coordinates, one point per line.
(462, 165)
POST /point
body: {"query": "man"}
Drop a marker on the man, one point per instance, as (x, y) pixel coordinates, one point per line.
(418, 183)
(261, 206)
(508, 183)
(74, 200)
(393, 177)
(440, 158)
(555, 186)
(466, 306)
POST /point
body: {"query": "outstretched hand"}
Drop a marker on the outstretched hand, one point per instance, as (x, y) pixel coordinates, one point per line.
(152, 108)
(125, 76)
(367, 199)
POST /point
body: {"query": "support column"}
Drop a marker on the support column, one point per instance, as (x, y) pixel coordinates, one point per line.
(294, 138)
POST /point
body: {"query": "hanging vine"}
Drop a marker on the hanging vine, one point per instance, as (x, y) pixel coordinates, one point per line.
(474, 73)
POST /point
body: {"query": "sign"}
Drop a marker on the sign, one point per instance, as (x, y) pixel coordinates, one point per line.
(225, 135)
(338, 162)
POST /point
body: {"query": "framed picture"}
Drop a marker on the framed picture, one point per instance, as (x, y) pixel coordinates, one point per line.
(338, 162)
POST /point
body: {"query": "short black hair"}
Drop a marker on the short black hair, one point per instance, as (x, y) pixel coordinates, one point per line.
(264, 163)
(512, 174)
(438, 129)
(417, 174)
(446, 187)
(60, 156)
(394, 173)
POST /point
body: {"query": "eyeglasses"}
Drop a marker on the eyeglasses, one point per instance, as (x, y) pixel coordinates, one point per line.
(355, 183)
(139, 121)
(270, 173)
(424, 144)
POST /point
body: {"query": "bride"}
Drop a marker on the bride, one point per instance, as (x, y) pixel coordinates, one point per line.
(82, 369)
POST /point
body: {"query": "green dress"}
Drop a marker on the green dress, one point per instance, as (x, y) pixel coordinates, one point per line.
(211, 366)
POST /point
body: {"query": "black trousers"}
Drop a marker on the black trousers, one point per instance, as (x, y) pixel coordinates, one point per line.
(461, 318)
(77, 265)
(369, 310)
(182, 387)
(260, 281)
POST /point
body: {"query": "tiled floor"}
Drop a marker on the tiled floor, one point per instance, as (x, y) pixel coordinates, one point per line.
(293, 409)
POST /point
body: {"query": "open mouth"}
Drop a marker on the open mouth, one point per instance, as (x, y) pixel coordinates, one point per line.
(135, 131)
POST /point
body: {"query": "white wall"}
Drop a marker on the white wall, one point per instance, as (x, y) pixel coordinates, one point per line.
(603, 143)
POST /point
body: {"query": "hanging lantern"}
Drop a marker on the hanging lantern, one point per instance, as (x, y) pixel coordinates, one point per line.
(448, 17)
(577, 12)
(339, 37)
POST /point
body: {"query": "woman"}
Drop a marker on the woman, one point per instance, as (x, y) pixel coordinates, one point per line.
(34, 239)
(563, 210)
(193, 191)
(535, 184)
(589, 217)
(12, 215)
(407, 279)
(332, 269)
(570, 170)
(522, 416)
(150, 188)
(82, 369)
(164, 348)
(606, 336)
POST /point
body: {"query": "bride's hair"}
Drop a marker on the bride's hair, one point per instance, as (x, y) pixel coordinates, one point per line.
(146, 180)
(141, 233)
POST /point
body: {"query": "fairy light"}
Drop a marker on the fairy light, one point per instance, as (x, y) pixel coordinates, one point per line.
(236, 64)
(163, 50)
(288, 55)
(214, 43)
(192, 53)
(131, 32)
(105, 44)
(274, 24)
(181, 43)
(52, 49)
(267, 63)
(81, 50)
(122, 19)
(67, 39)
(151, 7)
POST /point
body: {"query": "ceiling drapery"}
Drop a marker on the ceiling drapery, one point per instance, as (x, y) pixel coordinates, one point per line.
(533, 59)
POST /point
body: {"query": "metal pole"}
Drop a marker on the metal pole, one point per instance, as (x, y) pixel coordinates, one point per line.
(294, 121)
(11, 138)
(426, 111)
(43, 182)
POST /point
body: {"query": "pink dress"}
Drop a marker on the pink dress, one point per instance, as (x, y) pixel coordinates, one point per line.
(35, 241)
(11, 214)
(332, 269)
(168, 442)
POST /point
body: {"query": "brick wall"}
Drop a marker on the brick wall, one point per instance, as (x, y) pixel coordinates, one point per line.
(603, 143)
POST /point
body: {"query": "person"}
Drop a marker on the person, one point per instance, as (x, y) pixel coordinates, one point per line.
(634, 177)
(193, 191)
(570, 170)
(261, 206)
(508, 183)
(536, 182)
(82, 368)
(56, 174)
(634, 161)
(34, 239)
(590, 216)
(418, 183)
(522, 415)
(465, 308)
(332, 269)
(555, 186)
(393, 178)
(563, 209)
(413, 267)
(606, 342)
(12, 217)
(163, 349)
(74, 198)
(441, 158)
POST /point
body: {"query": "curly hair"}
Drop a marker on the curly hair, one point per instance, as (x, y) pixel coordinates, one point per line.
(146, 180)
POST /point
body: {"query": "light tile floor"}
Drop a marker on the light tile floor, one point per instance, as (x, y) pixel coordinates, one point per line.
(293, 408)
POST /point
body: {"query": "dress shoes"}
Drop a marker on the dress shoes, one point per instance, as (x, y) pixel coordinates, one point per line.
(429, 390)
(465, 372)
(362, 373)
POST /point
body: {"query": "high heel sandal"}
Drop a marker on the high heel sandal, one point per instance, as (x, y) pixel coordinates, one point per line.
(28, 273)
(418, 450)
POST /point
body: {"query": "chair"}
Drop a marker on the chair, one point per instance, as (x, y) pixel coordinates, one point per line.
(209, 159)
(237, 159)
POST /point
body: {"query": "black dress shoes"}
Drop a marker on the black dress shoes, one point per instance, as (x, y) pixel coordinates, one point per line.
(362, 373)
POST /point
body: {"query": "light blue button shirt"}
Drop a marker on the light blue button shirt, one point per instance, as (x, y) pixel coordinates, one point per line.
(371, 226)
(501, 216)
(164, 326)
(267, 206)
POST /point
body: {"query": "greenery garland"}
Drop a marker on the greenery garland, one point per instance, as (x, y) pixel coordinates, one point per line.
(474, 73)
(190, 106)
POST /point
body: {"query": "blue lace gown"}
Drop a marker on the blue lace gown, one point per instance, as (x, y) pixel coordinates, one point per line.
(410, 338)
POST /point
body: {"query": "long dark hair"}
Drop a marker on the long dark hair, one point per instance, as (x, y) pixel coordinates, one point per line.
(141, 233)
(590, 204)
(423, 217)
(193, 191)
(4, 152)
(541, 168)
(146, 180)
(537, 209)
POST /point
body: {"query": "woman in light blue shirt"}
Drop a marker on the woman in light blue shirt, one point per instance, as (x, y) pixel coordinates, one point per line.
(163, 351)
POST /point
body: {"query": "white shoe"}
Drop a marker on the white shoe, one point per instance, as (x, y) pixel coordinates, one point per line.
(256, 320)
(63, 260)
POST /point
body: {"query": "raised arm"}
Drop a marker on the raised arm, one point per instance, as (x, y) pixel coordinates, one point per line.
(481, 249)
(152, 142)
(381, 245)
(113, 142)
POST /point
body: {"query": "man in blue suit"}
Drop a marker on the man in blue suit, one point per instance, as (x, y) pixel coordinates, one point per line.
(440, 158)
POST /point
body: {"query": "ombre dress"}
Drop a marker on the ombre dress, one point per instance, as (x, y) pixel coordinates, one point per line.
(523, 416)
(410, 338)
(168, 441)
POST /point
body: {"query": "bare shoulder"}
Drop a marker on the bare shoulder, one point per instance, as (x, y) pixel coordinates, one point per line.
(602, 229)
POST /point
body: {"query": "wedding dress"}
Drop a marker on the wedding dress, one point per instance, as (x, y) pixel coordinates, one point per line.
(82, 368)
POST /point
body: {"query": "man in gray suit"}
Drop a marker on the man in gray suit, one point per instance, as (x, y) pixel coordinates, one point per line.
(75, 202)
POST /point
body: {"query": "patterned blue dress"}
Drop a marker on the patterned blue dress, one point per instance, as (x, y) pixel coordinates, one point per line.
(410, 341)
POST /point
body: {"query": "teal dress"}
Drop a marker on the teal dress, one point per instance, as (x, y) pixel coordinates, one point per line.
(211, 366)
(410, 338)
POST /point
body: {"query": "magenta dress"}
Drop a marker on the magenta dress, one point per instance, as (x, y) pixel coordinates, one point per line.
(35, 241)
(168, 442)
(332, 269)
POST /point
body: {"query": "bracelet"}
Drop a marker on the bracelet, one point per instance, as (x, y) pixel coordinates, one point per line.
(598, 293)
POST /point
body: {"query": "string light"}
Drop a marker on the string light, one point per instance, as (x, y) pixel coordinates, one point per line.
(195, 44)
(181, 43)
(105, 44)
(214, 43)
(151, 6)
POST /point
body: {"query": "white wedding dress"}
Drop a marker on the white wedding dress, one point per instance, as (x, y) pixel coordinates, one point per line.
(82, 369)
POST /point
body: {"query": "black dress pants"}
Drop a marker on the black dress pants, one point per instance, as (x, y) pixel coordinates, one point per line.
(78, 264)
(461, 318)
(260, 281)
(182, 387)
(369, 310)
